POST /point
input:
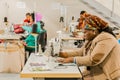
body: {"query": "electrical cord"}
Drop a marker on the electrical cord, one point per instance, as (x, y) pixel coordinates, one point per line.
(80, 72)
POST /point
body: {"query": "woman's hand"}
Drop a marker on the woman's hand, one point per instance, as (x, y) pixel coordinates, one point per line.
(66, 60)
(24, 43)
(63, 54)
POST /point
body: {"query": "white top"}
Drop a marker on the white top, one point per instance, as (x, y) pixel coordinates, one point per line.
(49, 70)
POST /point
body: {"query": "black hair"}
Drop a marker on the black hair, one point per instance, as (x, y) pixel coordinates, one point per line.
(109, 30)
(82, 12)
(28, 14)
(34, 28)
(33, 16)
(42, 23)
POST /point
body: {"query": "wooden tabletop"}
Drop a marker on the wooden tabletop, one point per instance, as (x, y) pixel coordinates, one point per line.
(66, 71)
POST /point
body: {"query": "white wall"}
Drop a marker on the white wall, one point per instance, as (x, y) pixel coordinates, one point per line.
(9, 9)
(16, 15)
(50, 9)
(113, 6)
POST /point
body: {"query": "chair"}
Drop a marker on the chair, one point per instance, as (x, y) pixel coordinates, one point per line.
(42, 40)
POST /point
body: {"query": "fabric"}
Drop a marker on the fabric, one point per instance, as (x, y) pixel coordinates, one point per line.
(101, 24)
(89, 27)
(27, 28)
(30, 40)
(92, 20)
(18, 29)
(103, 52)
(12, 57)
(38, 17)
(39, 27)
(96, 22)
(82, 22)
(26, 20)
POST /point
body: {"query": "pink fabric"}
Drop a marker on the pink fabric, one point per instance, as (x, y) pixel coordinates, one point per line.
(38, 17)
(18, 29)
(16, 26)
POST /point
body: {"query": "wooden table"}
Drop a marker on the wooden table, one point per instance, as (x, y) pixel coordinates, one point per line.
(12, 52)
(9, 37)
(68, 72)
(68, 36)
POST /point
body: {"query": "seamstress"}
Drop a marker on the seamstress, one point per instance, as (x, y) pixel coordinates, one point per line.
(100, 53)
(81, 23)
(28, 20)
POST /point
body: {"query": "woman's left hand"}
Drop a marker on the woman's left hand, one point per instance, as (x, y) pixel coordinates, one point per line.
(66, 60)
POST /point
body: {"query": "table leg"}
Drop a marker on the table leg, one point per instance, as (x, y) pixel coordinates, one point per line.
(61, 79)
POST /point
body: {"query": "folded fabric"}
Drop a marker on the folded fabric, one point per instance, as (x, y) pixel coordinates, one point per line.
(11, 57)
(18, 28)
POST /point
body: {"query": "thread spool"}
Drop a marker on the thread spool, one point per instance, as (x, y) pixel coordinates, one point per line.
(34, 28)
(40, 51)
(5, 19)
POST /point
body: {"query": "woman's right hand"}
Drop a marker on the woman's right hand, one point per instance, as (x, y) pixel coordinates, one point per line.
(63, 54)
(24, 43)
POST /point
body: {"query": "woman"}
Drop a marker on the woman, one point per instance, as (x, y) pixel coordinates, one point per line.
(30, 39)
(100, 52)
(28, 20)
(42, 37)
(84, 15)
(81, 19)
